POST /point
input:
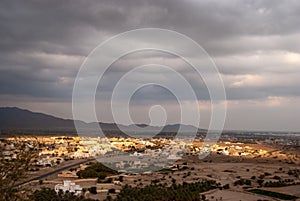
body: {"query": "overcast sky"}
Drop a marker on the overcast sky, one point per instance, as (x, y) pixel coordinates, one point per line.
(255, 45)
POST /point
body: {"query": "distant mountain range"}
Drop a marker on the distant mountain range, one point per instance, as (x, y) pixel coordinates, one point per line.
(13, 118)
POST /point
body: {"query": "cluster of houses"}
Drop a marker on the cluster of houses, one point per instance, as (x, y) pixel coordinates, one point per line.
(54, 150)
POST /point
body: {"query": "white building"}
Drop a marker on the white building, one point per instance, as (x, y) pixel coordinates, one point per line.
(68, 186)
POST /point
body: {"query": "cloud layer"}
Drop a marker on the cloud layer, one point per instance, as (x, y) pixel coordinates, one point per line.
(255, 45)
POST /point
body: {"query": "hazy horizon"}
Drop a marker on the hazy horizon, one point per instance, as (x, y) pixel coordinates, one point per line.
(169, 124)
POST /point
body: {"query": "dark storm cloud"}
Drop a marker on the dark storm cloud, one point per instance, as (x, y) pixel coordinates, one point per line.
(53, 25)
(43, 43)
(36, 84)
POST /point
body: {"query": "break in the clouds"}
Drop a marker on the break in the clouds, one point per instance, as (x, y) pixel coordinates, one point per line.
(255, 45)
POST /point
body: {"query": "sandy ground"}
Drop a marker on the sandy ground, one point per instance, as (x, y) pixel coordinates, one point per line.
(223, 169)
(228, 195)
(290, 190)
